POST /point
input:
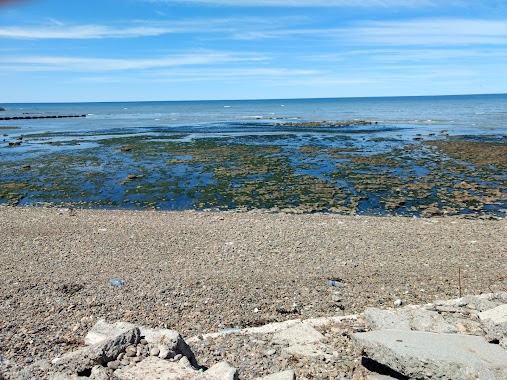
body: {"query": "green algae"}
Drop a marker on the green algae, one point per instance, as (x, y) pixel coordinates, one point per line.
(434, 177)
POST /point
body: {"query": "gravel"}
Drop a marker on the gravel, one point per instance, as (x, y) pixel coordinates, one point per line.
(200, 272)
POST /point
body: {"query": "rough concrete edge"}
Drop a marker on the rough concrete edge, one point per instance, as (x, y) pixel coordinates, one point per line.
(275, 327)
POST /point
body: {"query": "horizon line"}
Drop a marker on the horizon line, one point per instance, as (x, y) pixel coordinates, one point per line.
(257, 99)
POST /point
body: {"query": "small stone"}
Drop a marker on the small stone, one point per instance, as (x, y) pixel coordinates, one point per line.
(143, 341)
(270, 352)
(121, 356)
(113, 365)
(397, 303)
(155, 351)
(178, 357)
(125, 362)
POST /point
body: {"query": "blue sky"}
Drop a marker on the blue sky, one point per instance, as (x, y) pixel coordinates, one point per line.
(118, 50)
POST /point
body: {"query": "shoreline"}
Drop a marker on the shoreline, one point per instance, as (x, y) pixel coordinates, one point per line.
(198, 272)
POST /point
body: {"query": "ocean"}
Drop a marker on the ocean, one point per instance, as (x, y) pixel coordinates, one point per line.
(310, 139)
(474, 114)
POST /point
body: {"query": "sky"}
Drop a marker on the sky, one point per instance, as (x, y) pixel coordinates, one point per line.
(138, 50)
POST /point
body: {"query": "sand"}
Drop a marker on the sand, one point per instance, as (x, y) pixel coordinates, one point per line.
(198, 272)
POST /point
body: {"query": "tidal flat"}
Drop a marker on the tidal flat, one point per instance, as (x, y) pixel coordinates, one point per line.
(298, 168)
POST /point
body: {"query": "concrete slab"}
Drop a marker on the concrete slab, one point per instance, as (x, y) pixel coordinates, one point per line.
(494, 323)
(221, 371)
(103, 330)
(298, 334)
(430, 355)
(154, 368)
(309, 350)
(409, 319)
(285, 375)
(275, 327)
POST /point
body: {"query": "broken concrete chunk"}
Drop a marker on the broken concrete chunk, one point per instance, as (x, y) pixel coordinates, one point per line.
(100, 373)
(77, 361)
(378, 319)
(298, 334)
(103, 330)
(154, 368)
(494, 323)
(221, 371)
(480, 303)
(98, 354)
(168, 342)
(109, 350)
(285, 375)
(409, 319)
(444, 356)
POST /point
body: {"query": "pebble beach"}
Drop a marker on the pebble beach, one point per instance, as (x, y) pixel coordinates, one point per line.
(200, 272)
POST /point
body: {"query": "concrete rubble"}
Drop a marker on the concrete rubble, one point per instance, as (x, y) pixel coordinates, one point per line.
(457, 339)
(168, 356)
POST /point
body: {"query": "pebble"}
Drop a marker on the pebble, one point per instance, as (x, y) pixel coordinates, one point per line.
(192, 236)
(155, 351)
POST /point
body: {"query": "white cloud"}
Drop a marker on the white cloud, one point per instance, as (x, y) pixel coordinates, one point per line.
(409, 55)
(50, 63)
(432, 32)
(415, 32)
(206, 74)
(307, 3)
(138, 28)
(82, 32)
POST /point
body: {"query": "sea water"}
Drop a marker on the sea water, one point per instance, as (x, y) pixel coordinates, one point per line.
(80, 159)
(460, 115)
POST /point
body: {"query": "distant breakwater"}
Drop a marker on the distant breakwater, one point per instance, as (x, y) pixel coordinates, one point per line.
(39, 117)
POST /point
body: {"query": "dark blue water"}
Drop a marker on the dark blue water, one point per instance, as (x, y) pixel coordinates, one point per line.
(459, 115)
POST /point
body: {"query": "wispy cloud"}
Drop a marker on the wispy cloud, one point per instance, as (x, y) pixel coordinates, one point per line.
(57, 29)
(415, 32)
(306, 3)
(83, 32)
(205, 74)
(50, 63)
(411, 32)
(432, 32)
(409, 55)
